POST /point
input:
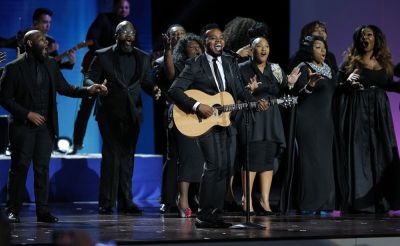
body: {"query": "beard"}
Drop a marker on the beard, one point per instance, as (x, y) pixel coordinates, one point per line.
(40, 53)
(126, 48)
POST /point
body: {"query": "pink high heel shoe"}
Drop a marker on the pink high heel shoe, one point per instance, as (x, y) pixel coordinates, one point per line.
(185, 213)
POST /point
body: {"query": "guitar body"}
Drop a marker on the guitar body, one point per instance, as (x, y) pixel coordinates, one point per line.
(192, 125)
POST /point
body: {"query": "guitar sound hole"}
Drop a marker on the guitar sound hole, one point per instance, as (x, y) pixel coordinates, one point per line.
(217, 110)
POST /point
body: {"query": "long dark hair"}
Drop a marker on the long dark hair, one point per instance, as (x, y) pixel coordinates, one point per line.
(381, 52)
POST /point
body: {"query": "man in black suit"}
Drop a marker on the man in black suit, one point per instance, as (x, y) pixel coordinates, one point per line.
(211, 72)
(101, 32)
(28, 89)
(119, 114)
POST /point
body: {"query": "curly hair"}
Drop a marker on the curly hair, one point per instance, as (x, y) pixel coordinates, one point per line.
(179, 53)
(309, 28)
(259, 29)
(381, 52)
(235, 32)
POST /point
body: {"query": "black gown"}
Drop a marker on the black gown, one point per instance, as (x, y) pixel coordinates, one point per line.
(266, 134)
(314, 133)
(368, 165)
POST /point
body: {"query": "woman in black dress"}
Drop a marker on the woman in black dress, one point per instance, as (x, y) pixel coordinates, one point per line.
(368, 168)
(266, 136)
(190, 158)
(314, 131)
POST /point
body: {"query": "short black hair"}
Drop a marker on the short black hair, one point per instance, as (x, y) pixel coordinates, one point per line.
(41, 11)
(115, 2)
(208, 27)
(306, 51)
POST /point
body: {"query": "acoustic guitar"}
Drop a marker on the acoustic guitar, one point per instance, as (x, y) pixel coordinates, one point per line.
(75, 48)
(192, 125)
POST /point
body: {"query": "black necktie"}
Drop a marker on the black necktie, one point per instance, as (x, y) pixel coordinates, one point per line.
(218, 75)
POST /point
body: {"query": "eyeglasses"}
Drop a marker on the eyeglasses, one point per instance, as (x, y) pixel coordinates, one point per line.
(126, 33)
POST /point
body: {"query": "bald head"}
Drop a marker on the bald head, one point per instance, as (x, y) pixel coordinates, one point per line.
(36, 44)
(125, 35)
(31, 35)
(123, 26)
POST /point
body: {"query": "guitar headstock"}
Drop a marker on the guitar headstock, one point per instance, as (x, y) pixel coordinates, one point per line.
(84, 44)
(287, 101)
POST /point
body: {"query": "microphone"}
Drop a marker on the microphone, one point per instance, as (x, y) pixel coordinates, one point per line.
(232, 53)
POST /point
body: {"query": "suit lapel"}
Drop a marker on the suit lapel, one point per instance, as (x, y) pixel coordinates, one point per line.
(207, 70)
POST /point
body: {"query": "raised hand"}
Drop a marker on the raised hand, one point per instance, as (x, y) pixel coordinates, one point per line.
(166, 41)
(293, 76)
(313, 78)
(36, 118)
(156, 92)
(253, 84)
(354, 76)
(245, 51)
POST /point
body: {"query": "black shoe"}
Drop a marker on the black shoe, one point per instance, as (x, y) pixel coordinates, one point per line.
(47, 218)
(265, 213)
(216, 224)
(132, 209)
(252, 213)
(105, 210)
(13, 218)
(211, 219)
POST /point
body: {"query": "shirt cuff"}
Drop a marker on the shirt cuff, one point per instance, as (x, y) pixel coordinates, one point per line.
(195, 106)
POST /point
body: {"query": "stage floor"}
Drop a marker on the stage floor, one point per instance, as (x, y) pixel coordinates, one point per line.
(153, 228)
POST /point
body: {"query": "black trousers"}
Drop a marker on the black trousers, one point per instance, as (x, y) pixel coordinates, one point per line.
(169, 186)
(119, 145)
(29, 143)
(82, 118)
(214, 146)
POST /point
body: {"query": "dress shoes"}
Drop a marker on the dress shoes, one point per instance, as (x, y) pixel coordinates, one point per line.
(105, 210)
(47, 218)
(132, 209)
(211, 219)
(13, 218)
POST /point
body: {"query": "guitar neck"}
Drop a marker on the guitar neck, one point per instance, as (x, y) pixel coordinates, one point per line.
(250, 105)
(238, 106)
(61, 56)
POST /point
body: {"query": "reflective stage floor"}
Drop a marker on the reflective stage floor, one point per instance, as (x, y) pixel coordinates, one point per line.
(156, 229)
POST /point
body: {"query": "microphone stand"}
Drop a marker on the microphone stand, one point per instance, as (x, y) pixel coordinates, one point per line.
(246, 113)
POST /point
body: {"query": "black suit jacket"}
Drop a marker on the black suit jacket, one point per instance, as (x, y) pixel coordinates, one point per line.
(197, 74)
(123, 98)
(16, 85)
